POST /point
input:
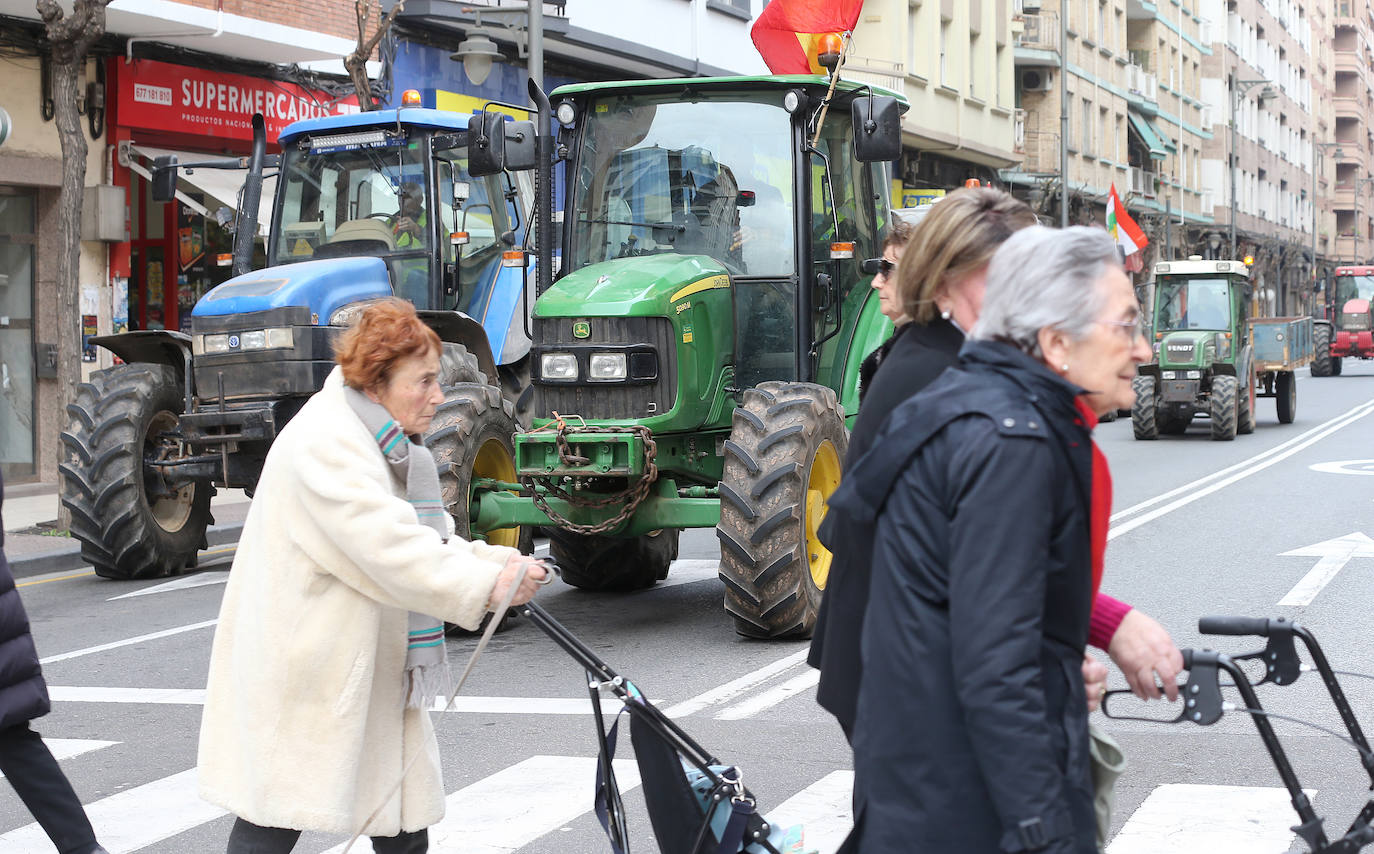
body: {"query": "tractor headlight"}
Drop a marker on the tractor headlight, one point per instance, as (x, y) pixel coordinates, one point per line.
(1194, 375)
(607, 367)
(254, 340)
(277, 338)
(1168, 375)
(348, 314)
(560, 367)
(210, 344)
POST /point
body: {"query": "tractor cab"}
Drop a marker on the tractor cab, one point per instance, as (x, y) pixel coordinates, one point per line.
(1352, 298)
(1199, 314)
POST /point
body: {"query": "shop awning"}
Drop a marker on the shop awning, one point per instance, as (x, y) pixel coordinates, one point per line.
(1158, 144)
(219, 188)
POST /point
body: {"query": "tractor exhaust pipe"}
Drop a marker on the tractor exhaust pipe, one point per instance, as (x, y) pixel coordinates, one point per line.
(543, 191)
(247, 228)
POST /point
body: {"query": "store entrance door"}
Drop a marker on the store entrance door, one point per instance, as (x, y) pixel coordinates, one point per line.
(18, 242)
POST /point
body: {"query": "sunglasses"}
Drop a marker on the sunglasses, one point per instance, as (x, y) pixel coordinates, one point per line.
(878, 267)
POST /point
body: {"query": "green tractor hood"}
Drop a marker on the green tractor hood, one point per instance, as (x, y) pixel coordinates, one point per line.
(646, 285)
(1187, 349)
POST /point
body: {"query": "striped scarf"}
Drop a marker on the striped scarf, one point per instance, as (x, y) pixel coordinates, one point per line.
(426, 670)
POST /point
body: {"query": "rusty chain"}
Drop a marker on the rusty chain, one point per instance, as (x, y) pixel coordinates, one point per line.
(633, 496)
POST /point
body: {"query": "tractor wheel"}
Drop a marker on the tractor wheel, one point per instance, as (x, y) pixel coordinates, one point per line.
(782, 462)
(131, 523)
(458, 365)
(517, 388)
(1224, 390)
(1143, 417)
(1245, 414)
(1286, 396)
(596, 562)
(471, 437)
(1336, 366)
(1322, 363)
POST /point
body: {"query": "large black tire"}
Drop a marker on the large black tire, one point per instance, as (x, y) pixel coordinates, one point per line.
(1336, 366)
(472, 436)
(1245, 407)
(1143, 412)
(458, 365)
(782, 462)
(130, 524)
(598, 562)
(1321, 357)
(1286, 396)
(1223, 406)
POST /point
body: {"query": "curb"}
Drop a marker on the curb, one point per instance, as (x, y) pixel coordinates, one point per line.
(67, 557)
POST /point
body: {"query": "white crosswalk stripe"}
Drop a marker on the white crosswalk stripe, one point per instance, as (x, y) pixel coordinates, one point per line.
(131, 819)
(517, 805)
(1180, 818)
(824, 808)
(66, 748)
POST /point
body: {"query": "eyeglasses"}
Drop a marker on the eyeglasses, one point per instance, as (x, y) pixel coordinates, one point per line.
(885, 267)
(1130, 327)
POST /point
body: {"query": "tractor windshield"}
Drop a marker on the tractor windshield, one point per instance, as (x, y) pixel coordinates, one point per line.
(355, 201)
(1193, 303)
(1354, 287)
(658, 174)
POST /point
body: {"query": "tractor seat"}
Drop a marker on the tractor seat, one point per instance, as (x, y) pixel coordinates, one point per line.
(358, 236)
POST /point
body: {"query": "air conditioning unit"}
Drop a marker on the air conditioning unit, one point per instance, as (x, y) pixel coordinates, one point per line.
(1030, 7)
(1036, 79)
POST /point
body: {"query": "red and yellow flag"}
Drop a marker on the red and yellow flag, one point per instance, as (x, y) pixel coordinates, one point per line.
(787, 31)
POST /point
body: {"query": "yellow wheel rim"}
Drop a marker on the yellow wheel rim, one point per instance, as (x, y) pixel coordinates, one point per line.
(824, 478)
(494, 461)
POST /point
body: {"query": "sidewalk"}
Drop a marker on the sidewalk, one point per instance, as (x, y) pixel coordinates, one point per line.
(33, 545)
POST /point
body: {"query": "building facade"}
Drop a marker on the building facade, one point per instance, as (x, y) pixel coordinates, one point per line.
(1258, 79)
(1351, 200)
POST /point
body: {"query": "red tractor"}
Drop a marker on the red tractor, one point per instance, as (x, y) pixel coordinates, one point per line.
(1348, 307)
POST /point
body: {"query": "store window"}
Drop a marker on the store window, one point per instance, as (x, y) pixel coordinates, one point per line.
(18, 243)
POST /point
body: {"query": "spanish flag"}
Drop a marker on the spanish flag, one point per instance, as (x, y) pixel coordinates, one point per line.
(787, 30)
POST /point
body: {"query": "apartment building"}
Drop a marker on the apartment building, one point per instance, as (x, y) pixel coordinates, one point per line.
(1351, 201)
(1132, 70)
(1259, 75)
(953, 60)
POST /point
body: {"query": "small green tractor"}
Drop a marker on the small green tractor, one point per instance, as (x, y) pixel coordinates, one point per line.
(1211, 359)
(696, 361)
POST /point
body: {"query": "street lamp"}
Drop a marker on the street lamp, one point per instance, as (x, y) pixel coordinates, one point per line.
(1238, 90)
(476, 52)
(526, 23)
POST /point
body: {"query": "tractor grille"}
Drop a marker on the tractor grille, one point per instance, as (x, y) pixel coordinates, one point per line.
(609, 400)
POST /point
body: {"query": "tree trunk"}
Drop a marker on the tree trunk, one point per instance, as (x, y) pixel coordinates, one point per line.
(356, 62)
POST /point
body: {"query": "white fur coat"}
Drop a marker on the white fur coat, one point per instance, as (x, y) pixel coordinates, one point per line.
(304, 723)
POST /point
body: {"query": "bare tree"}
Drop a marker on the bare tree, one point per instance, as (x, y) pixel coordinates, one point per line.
(356, 62)
(70, 38)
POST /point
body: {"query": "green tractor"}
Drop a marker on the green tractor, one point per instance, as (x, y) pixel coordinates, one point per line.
(696, 361)
(1211, 359)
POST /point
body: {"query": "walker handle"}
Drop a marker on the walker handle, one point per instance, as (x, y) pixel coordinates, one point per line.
(1234, 626)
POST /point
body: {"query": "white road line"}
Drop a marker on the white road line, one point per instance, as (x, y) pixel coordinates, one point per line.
(824, 809)
(515, 806)
(1352, 415)
(773, 696)
(1255, 468)
(166, 633)
(688, 572)
(66, 748)
(132, 819)
(200, 579)
(468, 705)
(1180, 818)
(735, 687)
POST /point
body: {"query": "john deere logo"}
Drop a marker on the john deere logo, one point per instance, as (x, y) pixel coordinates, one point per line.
(582, 329)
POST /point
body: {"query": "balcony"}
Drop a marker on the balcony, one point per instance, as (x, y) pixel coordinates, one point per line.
(879, 72)
(1040, 32)
(1141, 82)
(1351, 106)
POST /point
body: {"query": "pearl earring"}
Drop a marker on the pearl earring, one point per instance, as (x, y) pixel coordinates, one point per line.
(944, 313)
(1064, 367)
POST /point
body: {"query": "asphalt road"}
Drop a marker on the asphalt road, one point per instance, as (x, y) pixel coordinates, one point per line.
(1201, 527)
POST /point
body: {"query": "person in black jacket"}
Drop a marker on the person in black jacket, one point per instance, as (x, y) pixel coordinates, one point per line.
(971, 727)
(941, 280)
(25, 760)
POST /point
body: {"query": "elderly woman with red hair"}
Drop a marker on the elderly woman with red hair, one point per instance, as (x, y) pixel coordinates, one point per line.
(329, 649)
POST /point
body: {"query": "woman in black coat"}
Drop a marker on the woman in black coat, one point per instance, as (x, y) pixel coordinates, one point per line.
(971, 726)
(941, 280)
(25, 760)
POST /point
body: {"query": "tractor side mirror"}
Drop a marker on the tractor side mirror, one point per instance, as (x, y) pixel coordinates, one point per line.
(521, 151)
(165, 178)
(486, 144)
(877, 128)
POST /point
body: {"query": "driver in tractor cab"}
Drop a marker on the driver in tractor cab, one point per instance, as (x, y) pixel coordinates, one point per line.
(409, 221)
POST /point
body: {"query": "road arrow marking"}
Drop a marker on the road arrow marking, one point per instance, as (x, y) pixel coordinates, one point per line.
(200, 579)
(1333, 556)
(1360, 467)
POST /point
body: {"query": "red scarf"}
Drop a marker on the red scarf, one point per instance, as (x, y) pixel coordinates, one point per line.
(1101, 513)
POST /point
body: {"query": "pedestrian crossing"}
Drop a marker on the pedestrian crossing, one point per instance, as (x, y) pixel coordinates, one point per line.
(528, 800)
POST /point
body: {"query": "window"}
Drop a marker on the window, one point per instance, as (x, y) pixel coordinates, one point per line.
(1087, 127)
(1102, 133)
(734, 8)
(944, 52)
(18, 248)
(1102, 23)
(973, 67)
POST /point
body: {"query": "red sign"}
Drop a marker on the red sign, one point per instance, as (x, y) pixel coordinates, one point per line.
(177, 98)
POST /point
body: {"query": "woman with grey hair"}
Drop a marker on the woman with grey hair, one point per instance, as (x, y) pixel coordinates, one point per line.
(986, 493)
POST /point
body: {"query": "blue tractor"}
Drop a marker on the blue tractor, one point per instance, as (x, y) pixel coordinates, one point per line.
(367, 205)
